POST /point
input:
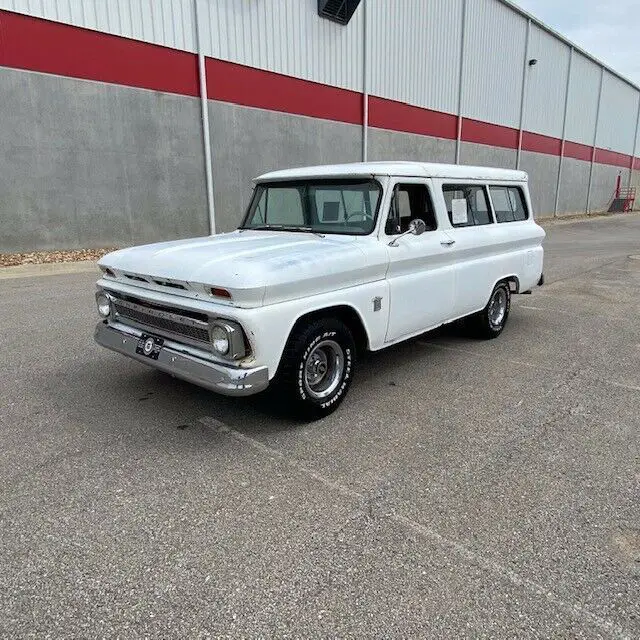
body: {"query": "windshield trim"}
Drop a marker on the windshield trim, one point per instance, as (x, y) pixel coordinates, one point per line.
(316, 181)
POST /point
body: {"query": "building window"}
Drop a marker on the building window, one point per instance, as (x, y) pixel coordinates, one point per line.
(467, 205)
(508, 204)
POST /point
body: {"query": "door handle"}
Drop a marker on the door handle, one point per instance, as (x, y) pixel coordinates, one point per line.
(447, 243)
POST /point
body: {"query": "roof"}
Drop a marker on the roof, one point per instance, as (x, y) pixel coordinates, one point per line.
(414, 169)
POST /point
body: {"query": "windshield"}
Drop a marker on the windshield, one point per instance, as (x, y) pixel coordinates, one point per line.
(320, 206)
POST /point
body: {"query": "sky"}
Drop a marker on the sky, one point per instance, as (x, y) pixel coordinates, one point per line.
(607, 29)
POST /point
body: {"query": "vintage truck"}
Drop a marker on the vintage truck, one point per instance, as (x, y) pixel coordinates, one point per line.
(328, 262)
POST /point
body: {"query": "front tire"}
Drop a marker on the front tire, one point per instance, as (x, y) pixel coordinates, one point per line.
(489, 323)
(316, 368)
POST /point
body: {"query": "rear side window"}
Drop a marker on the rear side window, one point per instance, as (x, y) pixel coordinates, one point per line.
(466, 205)
(509, 204)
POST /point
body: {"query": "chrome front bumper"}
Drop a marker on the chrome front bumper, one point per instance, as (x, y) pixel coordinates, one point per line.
(229, 381)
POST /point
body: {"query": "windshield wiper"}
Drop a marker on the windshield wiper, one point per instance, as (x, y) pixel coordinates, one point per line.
(284, 227)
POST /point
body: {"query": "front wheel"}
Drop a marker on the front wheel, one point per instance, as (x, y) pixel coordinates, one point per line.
(316, 368)
(490, 322)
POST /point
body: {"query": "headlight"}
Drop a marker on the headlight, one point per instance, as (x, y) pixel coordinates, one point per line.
(227, 339)
(103, 303)
(220, 339)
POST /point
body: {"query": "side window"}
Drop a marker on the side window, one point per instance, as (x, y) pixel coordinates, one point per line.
(410, 202)
(509, 204)
(466, 205)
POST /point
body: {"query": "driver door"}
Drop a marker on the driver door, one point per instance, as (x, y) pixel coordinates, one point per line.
(421, 268)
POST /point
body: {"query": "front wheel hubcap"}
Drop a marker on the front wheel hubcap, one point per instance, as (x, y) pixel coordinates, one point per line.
(323, 369)
(497, 308)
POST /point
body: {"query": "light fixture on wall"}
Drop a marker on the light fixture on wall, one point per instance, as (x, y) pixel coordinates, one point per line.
(533, 62)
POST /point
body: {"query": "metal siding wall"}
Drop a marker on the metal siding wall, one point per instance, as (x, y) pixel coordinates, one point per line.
(414, 49)
(583, 100)
(547, 84)
(286, 36)
(165, 22)
(494, 55)
(617, 115)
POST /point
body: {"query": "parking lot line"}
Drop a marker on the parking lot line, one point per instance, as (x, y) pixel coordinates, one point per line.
(464, 553)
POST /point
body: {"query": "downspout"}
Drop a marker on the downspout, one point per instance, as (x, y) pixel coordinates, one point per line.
(523, 95)
(461, 80)
(564, 133)
(206, 134)
(365, 87)
(635, 146)
(595, 142)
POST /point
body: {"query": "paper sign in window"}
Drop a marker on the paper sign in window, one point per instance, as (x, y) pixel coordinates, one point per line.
(459, 212)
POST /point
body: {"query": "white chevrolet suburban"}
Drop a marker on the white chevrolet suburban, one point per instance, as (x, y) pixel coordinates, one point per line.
(329, 261)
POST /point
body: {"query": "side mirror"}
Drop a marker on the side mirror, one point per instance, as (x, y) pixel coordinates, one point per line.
(416, 227)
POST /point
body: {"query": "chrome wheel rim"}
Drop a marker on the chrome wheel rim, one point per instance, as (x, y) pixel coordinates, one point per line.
(497, 308)
(323, 369)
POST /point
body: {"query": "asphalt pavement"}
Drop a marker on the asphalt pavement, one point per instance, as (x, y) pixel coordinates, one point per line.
(464, 488)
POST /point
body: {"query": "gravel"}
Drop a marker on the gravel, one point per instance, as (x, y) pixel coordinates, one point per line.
(47, 257)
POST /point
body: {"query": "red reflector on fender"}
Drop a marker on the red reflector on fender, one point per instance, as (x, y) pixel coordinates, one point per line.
(220, 293)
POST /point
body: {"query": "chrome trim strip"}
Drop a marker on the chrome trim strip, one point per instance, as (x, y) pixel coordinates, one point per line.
(166, 315)
(230, 381)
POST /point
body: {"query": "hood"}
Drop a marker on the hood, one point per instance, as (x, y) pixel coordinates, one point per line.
(256, 267)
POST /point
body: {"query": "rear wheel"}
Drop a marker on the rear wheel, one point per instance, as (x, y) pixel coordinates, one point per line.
(490, 322)
(316, 368)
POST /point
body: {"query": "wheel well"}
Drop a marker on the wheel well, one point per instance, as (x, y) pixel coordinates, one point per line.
(513, 282)
(345, 314)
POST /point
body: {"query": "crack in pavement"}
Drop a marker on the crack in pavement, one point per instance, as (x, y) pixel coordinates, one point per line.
(576, 610)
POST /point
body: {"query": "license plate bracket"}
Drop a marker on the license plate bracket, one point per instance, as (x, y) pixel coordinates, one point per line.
(149, 346)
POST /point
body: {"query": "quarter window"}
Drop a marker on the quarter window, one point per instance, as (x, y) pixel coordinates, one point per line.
(467, 205)
(508, 204)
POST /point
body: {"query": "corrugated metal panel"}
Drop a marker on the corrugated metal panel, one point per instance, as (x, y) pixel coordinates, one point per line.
(583, 100)
(494, 55)
(166, 22)
(547, 84)
(414, 51)
(618, 112)
(286, 36)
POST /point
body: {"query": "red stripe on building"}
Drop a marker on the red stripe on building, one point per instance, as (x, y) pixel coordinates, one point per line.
(540, 144)
(252, 87)
(399, 116)
(577, 151)
(491, 134)
(50, 47)
(604, 156)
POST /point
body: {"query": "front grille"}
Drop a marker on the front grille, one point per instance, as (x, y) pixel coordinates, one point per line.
(171, 322)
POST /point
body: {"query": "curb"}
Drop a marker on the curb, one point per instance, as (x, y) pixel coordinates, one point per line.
(48, 269)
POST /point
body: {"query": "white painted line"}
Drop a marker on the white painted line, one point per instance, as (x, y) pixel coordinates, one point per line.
(524, 306)
(471, 557)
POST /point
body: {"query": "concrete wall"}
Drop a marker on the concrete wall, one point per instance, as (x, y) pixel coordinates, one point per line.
(247, 142)
(485, 156)
(393, 145)
(603, 185)
(573, 186)
(88, 164)
(543, 179)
